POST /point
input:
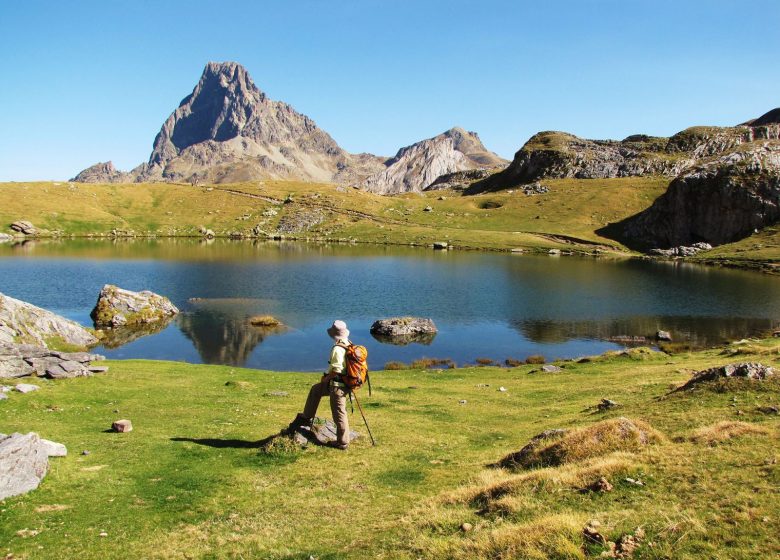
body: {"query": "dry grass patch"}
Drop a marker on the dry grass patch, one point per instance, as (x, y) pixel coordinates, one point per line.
(499, 489)
(557, 447)
(551, 536)
(726, 430)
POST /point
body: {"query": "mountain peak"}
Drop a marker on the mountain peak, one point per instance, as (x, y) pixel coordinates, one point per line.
(415, 167)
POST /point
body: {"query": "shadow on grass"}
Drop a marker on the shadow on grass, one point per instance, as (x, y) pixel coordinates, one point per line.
(228, 443)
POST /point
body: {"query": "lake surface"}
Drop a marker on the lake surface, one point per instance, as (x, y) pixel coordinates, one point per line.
(486, 305)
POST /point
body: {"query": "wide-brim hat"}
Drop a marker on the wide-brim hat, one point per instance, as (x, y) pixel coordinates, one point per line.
(338, 329)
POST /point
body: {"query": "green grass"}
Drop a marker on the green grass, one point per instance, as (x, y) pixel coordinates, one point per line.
(193, 480)
(566, 218)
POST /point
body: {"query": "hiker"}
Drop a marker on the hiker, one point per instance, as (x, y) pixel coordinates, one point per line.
(331, 385)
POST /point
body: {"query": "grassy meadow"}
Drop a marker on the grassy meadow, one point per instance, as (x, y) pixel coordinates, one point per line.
(567, 218)
(193, 479)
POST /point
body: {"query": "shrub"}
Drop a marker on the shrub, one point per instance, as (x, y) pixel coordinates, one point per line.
(428, 363)
(512, 362)
(485, 362)
(395, 365)
(535, 359)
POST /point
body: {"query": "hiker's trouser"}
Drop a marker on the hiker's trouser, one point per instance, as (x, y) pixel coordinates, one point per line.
(338, 406)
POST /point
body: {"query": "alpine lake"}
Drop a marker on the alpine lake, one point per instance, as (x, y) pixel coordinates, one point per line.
(487, 306)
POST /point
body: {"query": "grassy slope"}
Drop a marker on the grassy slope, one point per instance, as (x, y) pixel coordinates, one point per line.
(573, 209)
(225, 498)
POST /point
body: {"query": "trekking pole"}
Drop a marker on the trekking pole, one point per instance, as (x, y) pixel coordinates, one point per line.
(360, 408)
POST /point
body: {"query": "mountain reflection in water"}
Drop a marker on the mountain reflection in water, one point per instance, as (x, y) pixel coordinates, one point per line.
(485, 305)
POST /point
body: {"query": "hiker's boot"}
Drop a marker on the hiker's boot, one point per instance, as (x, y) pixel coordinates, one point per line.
(336, 445)
(300, 421)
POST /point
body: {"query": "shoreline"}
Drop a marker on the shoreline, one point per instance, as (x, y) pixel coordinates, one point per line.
(770, 267)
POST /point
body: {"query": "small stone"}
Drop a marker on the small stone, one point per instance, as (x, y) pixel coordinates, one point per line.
(26, 387)
(24, 533)
(551, 369)
(463, 401)
(5, 388)
(85, 452)
(663, 336)
(502, 389)
(103, 534)
(601, 485)
(466, 527)
(3, 396)
(122, 426)
(769, 410)
(278, 394)
(428, 209)
(606, 404)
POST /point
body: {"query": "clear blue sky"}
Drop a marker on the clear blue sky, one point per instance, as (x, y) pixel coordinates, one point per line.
(88, 81)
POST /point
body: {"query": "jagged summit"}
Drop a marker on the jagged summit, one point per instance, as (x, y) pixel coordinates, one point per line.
(415, 167)
(228, 130)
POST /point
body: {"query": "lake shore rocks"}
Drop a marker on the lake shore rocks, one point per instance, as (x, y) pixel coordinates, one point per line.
(117, 307)
(24, 461)
(22, 360)
(24, 227)
(22, 322)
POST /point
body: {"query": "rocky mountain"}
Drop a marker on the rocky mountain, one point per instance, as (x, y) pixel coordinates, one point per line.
(417, 166)
(719, 201)
(559, 155)
(228, 130)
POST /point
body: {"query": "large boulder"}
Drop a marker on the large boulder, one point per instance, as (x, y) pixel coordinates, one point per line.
(24, 227)
(24, 322)
(23, 463)
(403, 330)
(117, 307)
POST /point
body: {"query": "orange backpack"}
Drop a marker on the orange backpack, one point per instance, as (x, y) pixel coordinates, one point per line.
(355, 373)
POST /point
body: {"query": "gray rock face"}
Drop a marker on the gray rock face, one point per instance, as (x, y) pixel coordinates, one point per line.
(554, 154)
(117, 307)
(19, 360)
(322, 432)
(26, 388)
(103, 172)
(24, 322)
(24, 227)
(403, 326)
(23, 464)
(418, 166)
(746, 370)
(717, 202)
(227, 130)
(460, 180)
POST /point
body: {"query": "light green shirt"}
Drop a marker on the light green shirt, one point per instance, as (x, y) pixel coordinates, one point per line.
(338, 357)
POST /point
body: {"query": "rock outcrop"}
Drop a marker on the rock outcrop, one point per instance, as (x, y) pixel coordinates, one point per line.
(23, 464)
(227, 130)
(416, 167)
(746, 370)
(24, 461)
(720, 201)
(118, 308)
(22, 322)
(553, 154)
(24, 227)
(403, 326)
(103, 172)
(20, 360)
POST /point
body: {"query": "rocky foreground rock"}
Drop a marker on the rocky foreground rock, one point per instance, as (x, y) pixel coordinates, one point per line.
(22, 322)
(117, 307)
(24, 461)
(21, 360)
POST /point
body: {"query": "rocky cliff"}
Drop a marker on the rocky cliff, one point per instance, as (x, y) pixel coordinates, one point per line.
(417, 166)
(561, 155)
(228, 130)
(719, 201)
